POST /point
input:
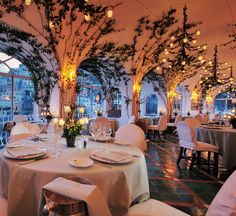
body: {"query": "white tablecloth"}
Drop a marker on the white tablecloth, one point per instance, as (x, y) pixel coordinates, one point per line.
(121, 185)
(225, 139)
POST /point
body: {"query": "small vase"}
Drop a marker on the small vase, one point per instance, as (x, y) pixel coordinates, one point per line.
(70, 141)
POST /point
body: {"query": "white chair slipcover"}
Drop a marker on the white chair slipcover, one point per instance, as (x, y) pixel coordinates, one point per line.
(187, 140)
(3, 206)
(19, 118)
(133, 135)
(224, 203)
(192, 122)
(153, 208)
(162, 124)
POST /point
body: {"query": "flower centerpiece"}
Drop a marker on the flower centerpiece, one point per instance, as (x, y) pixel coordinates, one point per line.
(72, 127)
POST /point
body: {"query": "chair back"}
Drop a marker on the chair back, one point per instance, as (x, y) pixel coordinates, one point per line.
(186, 135)
(163, 122)
(103, 121)
(224, 202)
(192, 122)
(133, 135)
(178, 118)
(198, 117)
(205, 118)
(20, 118)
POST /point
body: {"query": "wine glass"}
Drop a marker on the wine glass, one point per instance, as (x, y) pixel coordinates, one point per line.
(106, 131)
(95, 130)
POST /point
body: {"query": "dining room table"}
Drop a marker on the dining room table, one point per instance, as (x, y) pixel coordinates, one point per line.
(224, 137)
(121, 182)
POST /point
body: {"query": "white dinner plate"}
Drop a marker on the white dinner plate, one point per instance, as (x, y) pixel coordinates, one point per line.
(39, 152)
(100, 138)
(43, 137)
(14, 145)
(81, 162)
(126, 160)
(121, 142)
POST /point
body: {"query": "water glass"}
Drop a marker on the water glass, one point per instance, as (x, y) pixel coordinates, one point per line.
(106, 131)
(95, 129)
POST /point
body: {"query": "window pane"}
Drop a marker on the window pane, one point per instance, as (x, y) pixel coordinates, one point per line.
(23, 97)
(151, 105)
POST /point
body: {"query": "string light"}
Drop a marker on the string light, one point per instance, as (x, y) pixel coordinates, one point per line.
(200, 58)
(204, 47)
(171, 45)
(185, 40)
(198, 32)
(164, 60)
(87, 17)
(194, 41)
(51, 24)
(166, 51)
(173, 37)
(158, 68)
(183, 62)
(109, 13)
(28, 2)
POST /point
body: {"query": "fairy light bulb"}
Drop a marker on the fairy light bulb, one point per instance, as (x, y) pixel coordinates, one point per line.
(226, 63)
(164, 60)
(194, 41)
(87, 17)
(171, 45)
(170, 66)
(183, 63)
(200, 58)
(198, 32)
(51, 24)
(204, 47)
(28, 2)
(166, 51)
(173, 37)
(158, 68)
(110, 13)
(185, 40)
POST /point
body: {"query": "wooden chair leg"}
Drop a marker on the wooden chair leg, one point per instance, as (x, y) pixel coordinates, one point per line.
(180, 155)
(159, 135)
(199, 157)
(216, 159)
(185, 151)
(164, 134)
(193, 160)
(209, 157)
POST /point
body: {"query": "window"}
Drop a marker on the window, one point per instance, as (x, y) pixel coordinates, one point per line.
(16, 90)
(151, 105)
(90, 96)
(223, 102)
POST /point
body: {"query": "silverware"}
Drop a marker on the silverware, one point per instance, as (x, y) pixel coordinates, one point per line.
(36, 159)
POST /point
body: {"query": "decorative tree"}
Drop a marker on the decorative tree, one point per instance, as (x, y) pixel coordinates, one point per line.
(183, 58)
(110, 74)
(69, 30)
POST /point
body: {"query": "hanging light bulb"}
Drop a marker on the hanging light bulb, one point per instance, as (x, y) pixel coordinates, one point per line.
(200, 58)
(51, 24)
(202, 61)
(173, 37)
(183, 63)
(185, 40)
(27, 2)
(166, 51)
(194, 41)
(110, 13)
(171, 45)
(204, 47)
(224, 74)
(200, 82)
(170, 66)
(158, 68)
(164, 60)
(198, 32)
(226, 63)
(87, 17)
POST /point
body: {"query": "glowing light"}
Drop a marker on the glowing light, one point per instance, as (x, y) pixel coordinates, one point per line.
(171, 45)
(200, 58)
(87, 17)
(28, 2)
(166, 51)
(109, 13)
(204, 47)
(67, 109)
(171, 94)
(55, 121)
(194, 41)
(81, 110)
(194, 95)
(198, 32)
(226, 63)
(61, 122)
(173, 37)
(209, 99)
(183, 63)
(51, 24)
(164, 60)
(185, 40)
(136, 88)
(158, 68)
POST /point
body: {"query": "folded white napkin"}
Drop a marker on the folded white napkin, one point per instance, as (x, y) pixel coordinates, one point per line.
(88, 193)
(25, 151)
(113, 156)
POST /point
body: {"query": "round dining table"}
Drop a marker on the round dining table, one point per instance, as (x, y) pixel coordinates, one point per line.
(120, 184)
(222, 137)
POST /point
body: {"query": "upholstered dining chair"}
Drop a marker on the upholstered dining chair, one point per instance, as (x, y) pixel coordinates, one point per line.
(3, 206)
(192, 122)
(224, 203)
(198, 117)
(205, 118)
(161, 127)
(19, 118)
(133, 135)
(188, 141)
(177, 119)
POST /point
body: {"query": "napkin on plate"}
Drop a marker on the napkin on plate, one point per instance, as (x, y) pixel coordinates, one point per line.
(88, 193)
(113, 156)
(25, 151)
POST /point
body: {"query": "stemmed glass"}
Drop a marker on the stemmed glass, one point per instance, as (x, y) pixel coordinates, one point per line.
(106, 131)
(95, 130)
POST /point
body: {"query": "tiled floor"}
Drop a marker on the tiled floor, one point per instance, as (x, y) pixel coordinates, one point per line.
(191, 192)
